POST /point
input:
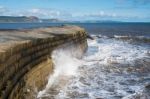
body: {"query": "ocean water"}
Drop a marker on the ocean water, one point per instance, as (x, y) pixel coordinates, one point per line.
(115, 66)
(107, 29)
(111, 69)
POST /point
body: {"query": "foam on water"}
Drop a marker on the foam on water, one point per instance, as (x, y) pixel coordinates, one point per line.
(111, 50)
(111, 69)
(65, 65)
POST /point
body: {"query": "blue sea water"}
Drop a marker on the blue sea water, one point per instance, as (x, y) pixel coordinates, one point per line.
(110, 29)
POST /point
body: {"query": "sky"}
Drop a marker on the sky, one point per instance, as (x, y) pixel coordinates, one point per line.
(116, 10)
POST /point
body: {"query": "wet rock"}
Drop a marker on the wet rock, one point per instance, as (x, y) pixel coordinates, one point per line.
(147, 86)
(90, 37)
(98, 36)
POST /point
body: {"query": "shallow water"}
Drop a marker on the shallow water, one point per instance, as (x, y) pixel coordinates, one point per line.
(112, 68)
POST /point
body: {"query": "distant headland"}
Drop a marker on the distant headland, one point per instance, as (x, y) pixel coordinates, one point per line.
(28, 19)
(25, 19)
(34, 19)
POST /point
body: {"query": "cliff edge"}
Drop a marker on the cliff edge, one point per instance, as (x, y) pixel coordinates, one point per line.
(26, 61)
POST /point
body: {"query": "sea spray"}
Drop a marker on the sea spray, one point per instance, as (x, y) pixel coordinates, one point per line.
(111, 69)
(107, 51)
(65, 65)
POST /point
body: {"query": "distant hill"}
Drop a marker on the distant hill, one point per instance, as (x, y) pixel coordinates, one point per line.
(21, 19)
(7, 19)
(52, 20)
(25, 19)
(95, 21)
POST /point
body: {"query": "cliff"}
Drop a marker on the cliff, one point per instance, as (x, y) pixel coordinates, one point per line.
(26, 61)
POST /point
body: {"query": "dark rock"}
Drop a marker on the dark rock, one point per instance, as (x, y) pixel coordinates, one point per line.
(90, 37)
(147, 86)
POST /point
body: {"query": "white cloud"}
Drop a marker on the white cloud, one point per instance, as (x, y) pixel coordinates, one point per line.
(54, 13)
(99, 14)
(3, 10)
(43, 12)
(39, 12)
(103, 15)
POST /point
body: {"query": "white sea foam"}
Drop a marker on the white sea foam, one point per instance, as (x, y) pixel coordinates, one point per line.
(114, 51)
(120, 36)
(65, 64)
(98, 74)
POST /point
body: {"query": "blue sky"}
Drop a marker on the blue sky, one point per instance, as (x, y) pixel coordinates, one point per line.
(118, 10)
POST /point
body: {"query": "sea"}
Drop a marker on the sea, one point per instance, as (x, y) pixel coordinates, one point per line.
(115, 66)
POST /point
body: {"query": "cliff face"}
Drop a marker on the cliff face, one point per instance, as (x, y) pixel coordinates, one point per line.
(26, 62)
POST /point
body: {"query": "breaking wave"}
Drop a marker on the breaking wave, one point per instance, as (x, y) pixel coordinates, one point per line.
(141, 39)
(111, 69)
